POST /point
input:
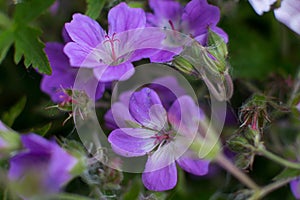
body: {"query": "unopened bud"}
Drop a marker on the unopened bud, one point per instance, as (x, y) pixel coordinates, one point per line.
(239, 144)
(75, 149)
(9, 140)
(209, 64)
(185, 66)
(218, 49)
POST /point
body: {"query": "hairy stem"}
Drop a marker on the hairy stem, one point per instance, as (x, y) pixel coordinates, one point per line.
(236, 172)
(264, 152)
(270, 188)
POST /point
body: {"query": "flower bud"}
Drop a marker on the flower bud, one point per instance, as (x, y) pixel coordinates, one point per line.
(75, 149)
(238, 144)
(209, 64)
(185, 66)
(9, 140)
(218, 49)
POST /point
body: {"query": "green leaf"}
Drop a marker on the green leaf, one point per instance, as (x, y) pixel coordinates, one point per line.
(9, 117)
(28, 10)
(42, 130)
(287, 173)
(135, 4)
(94, 8)
(27, 43)
(5, 22)
(134, 191)
(6, 40)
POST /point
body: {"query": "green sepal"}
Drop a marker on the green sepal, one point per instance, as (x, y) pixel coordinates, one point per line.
(12, 140)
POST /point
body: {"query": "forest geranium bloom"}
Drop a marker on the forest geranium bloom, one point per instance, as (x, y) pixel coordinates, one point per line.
(41, 168)
(261, 6)
(110, 54)
(295, 187)
(163, 136)
(195, 19)
(63, 75)
(289, 14)
(165, 87)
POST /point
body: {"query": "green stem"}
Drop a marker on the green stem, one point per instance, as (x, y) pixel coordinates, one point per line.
(270, 188)
(236, 172)
(277, 159)
(273, 186)
(5, 195)
(68, 196)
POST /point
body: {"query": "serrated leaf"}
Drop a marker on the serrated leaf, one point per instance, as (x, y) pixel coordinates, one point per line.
(94, 8)
(27, 43)
(287, 173)
(9, 117)
(28, 10)
(42, 130)
(6, 40)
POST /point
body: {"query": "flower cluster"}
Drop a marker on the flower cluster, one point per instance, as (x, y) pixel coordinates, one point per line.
(167, 125)
(151, 121)
(194, 20)
(131, 36)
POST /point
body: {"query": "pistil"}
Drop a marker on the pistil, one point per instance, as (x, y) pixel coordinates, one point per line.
(112, 40)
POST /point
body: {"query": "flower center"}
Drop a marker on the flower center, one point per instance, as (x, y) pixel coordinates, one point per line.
(174, 37)
(163, 137)
(172, 25)
(66, 97)
(112, 41)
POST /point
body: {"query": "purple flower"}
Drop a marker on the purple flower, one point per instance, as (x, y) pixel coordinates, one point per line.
(163, 136)
(195, 19)
(110, 54)
(289, 14)
(261, 6)
(63, 76)
(166, 88)
(295, 187)
(41, 168)
(118, 116)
